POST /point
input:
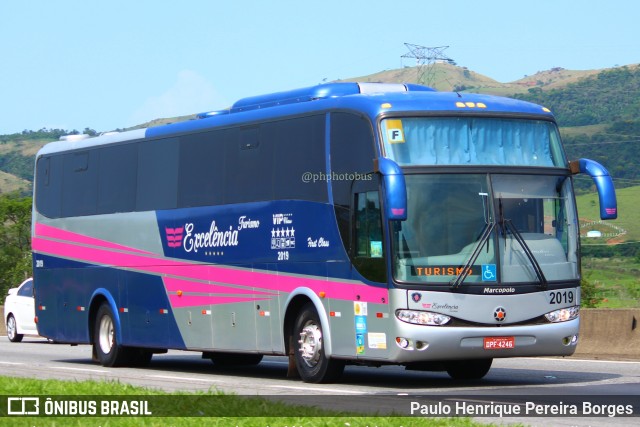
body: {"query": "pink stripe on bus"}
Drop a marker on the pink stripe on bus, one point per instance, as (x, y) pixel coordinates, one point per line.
(174, 285)
(107, 254)
(197, 300)
(59, 234)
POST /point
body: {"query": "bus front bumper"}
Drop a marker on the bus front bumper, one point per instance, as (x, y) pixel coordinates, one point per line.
(417, 343)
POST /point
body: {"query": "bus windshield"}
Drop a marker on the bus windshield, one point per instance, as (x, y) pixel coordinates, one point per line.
(472, 141)
(487, 229)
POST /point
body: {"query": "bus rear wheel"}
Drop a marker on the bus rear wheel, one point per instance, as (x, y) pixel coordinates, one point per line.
(106, 348)
(311, 362)
(468, 369)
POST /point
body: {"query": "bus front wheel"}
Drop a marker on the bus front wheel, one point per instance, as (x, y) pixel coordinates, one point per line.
(468, 369)
(311, 362)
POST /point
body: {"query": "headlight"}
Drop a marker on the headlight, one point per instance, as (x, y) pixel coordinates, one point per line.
(422, 317)
(563, 315)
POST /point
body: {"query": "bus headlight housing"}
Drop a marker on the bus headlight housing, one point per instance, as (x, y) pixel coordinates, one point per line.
(422, 317)
(563, 314)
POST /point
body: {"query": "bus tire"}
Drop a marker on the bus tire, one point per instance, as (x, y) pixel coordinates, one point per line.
(12, 329)
(107, 350)
(311, 362)
(468, 369)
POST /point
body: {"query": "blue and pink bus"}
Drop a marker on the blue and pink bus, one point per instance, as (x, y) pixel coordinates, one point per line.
(339, 224)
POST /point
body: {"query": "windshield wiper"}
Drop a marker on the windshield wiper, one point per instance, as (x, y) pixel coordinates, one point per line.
(507, 225)
(484, 237)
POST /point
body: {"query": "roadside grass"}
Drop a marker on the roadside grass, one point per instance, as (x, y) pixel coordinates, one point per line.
(628, 222)
(617, 281)
(253, 409)
(616, 278)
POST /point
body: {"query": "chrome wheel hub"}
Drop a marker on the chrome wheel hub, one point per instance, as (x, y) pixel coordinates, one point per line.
(310, 344)
(105, 338)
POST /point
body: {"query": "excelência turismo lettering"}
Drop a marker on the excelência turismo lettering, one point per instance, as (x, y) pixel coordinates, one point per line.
(214, 237)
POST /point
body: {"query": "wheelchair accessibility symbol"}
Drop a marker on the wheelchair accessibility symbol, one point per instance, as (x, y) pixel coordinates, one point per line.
(488, 272)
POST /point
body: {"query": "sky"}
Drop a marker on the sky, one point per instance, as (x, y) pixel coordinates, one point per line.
(73, 64)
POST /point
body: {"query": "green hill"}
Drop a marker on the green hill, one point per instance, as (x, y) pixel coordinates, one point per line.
(448, 77)
(598, 111)
(607, 97)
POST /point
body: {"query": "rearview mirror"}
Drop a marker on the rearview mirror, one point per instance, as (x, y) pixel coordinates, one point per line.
(395, 189)
(604, 185)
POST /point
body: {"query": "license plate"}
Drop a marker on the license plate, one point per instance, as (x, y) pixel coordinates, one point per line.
(499, 343)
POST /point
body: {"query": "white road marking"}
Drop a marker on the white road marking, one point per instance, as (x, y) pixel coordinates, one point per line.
(99, 371)
(167, 377)
(579, 360)
(324, 390)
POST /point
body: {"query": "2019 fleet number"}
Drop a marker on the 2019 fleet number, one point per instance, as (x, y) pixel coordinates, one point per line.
(561, 297)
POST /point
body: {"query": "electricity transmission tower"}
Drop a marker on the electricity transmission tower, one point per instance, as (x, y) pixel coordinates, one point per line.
(426, 57)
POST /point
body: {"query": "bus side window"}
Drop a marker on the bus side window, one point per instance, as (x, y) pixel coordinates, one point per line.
(49, 186)
(80, 183)
(368, 257)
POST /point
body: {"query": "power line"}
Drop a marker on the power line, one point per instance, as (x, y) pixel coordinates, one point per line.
(615, 134)
(601, 142)
(581, 176)
(625, 181)
(610, 244)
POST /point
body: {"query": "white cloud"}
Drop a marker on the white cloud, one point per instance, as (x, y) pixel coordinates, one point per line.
(190, 94)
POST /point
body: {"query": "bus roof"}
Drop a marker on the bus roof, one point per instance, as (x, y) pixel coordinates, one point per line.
(371, 99)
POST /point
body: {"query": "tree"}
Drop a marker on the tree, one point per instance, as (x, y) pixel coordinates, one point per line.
(589, 294)
(15, 240)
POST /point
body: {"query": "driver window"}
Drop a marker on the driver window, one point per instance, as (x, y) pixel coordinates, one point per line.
(369, 248)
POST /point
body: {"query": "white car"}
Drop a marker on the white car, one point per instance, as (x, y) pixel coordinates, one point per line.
(20, 312)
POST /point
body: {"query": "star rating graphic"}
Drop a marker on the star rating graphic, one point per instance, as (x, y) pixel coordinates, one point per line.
(283, 238)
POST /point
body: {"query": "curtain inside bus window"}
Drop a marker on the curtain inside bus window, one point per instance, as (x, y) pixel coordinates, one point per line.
(472, 141)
